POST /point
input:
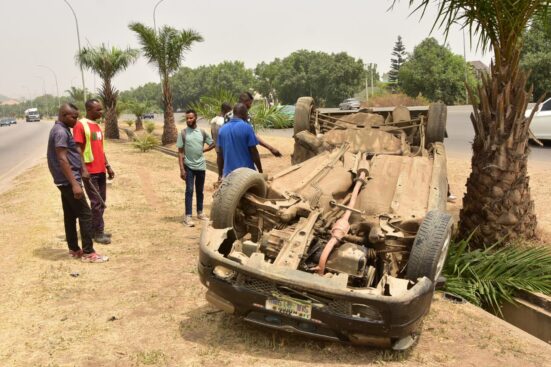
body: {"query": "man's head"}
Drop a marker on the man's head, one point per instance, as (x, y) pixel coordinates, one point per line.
(240, 110)
(68, 114)
(226, 107)
(94, 110)
(247, 99)
(191, 118)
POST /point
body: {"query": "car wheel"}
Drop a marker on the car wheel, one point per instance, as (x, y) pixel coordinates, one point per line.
(227, 207)
(436, 123)
(303, 111)
(430, 246)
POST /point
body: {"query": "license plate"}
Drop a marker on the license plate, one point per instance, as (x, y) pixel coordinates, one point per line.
(290, 307)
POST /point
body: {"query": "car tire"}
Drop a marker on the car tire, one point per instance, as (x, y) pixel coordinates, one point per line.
(436, 123)
(303, 111)
(228, 196)
(430, 246)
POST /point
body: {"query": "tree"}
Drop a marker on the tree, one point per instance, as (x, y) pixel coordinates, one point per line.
(148, 92)
(536, 55)
(436, 73)
(329, 78)
(265, 79)
(398, 58)
(166, 50)
(107, 62)
(138, 109)
(497, 204)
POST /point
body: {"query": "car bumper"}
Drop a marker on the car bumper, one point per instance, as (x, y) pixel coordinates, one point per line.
(392, 318)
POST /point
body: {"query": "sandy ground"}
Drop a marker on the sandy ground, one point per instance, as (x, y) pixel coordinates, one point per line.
(146, 305)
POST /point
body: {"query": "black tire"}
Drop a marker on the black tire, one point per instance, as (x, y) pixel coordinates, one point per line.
(430, 247)
(229, 194)
(436, 123)
(303, 111)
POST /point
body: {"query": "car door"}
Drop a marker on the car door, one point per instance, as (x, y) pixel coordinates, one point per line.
(541, 124)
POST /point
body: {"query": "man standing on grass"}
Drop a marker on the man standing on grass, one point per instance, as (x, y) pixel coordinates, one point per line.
(88, 135)
(67, 169)
(191, 148)
(237, 144)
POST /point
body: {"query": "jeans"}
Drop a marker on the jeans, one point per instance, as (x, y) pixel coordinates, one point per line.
(98, 180)
(74, 209)
(197, 177)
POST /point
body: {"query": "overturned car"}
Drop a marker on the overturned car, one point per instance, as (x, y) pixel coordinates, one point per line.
(348, 242)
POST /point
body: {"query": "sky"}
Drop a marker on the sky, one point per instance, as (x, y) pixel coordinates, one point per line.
(43, 32)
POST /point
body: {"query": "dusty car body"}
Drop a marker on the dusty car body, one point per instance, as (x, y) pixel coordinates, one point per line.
(347, 243)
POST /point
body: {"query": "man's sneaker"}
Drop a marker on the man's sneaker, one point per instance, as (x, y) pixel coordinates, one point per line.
(188, 222)
(102, 238)
(202, 216)
(452, 198)
(94, 257)
(75, 254)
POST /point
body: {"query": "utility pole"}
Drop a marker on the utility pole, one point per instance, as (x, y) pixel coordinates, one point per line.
(79, 50)
(56, 85)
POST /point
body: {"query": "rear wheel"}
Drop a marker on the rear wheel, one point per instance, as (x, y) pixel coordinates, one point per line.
(303, 111)
(228, 209)
(436, 123)
(430, 247)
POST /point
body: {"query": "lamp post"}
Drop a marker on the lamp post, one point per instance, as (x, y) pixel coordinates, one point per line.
(79, 50)
(46, 106)
(56, 85)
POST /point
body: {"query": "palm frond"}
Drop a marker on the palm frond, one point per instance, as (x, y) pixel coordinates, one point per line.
(488, 277)
(105, 61)
(209, 105)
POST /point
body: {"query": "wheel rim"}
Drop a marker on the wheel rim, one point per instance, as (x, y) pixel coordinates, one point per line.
(443, 254)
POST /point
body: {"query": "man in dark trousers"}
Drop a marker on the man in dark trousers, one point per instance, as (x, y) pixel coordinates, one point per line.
(88, 135)
(191, 159)
(237, 144)
(66, 167)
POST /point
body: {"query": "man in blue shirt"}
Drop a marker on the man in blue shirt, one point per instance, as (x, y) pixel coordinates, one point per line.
(237, 143)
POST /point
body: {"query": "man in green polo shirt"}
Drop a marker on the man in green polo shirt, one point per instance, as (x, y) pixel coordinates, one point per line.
(191, 148)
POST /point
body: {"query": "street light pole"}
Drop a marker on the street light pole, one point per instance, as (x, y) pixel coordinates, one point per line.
(56, 85)
(154, 10)
(466, 66)
(79, 50)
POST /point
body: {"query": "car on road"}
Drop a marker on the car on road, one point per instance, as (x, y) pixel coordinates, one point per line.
(350, 104)
(7, 121)
(349, 242)
(541, 122)
(148, 116)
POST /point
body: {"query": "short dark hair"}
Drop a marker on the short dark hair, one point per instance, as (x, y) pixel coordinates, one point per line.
(240, 110)
(245, 96)
(226, 107)
(90, 102)
(192, 111)
(73, 106)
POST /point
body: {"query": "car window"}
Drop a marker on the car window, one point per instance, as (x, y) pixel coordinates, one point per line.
(546, 106)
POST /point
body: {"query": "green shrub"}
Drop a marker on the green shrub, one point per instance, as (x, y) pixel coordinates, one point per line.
(129, 123)
(149, 126)
(146, 142)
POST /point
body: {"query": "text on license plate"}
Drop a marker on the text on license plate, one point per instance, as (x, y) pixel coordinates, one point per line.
(289, 307)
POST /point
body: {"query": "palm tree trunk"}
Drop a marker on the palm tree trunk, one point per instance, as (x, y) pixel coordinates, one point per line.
(110, 105)
(139, 123)
(497, 204)
(170, 133)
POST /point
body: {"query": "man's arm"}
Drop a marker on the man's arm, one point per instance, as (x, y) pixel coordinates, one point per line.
(264, 144)
(84, 171)
(220, 162)
(256, 158)
(181, 159)
(210, 147)
(110, 171)
(61, 153)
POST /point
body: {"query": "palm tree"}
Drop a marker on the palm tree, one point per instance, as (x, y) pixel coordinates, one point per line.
(498, 203)
(107, 62)
(138, 109)
(166, 49)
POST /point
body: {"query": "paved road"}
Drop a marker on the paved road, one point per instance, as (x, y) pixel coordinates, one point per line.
(21, 146)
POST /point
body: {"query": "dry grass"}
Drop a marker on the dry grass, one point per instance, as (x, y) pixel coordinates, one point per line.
(146, 306)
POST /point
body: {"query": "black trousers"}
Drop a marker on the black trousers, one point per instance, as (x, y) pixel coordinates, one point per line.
(98, 180)
(74, 209)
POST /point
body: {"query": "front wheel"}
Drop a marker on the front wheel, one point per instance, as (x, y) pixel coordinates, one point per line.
(227, 206)
(430, 247)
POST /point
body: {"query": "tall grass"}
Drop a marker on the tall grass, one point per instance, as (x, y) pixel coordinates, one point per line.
(491, 276)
